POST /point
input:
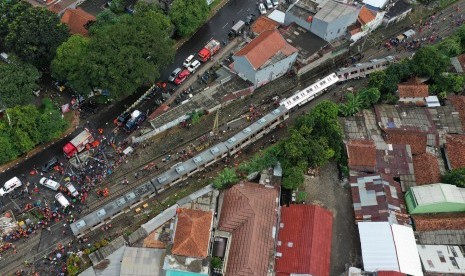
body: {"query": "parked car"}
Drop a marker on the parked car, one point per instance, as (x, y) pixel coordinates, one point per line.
(269, 5)
(71, 189)
(137, 118)
(174, 74)
(194, 66)
(10, 185)
(49, 183)
(275, 3)
(123, 118)
(182, 77)
(49, 165)
(188, 61)
(262, 8)
(62, 200)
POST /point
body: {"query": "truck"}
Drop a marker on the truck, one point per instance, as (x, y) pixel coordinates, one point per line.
(78, 143)
(212, 47)
(237, 28)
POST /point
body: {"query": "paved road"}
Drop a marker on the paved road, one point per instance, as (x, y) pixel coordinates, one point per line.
(218, 27)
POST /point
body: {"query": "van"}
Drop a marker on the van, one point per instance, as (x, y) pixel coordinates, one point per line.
(269, 5)
(10, 185)
(62, 200)
(49, 183)
(71, 189)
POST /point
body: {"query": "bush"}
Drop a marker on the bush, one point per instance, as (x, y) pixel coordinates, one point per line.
(216, 262)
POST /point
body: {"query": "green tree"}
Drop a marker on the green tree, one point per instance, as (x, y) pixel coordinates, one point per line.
(7, 149)
(352, 105)
(454, 177)
(428, 61)
(10, 9)
(377, 79)
(293, 149)
(17, 83)
(195, 118)
(447, 83)
(450, 47)
(154, 11)
(188, 15)
(293, 178)
(301, 196)
(117, 6)
(104, 18)
(216, 262)
(460, 33)
(50, 123)
(319, 152)
(368, 97)
(225, 179)
(35, 34)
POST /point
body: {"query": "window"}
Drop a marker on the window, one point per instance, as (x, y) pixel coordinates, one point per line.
(454, 262)
(430, 263)
(441, 256)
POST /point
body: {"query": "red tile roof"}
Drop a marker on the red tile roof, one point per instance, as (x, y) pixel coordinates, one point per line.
(455, 150)
(249, 213)
(433, 222)
(362, 155)
(264, 23)
(413, 88)
(378, 198)
(365, 16)
(426, 168)
(459, 104)
(264, 47)
(461, 60)
(305, 235)
(77, 21)
(416, 139)
(192, 236)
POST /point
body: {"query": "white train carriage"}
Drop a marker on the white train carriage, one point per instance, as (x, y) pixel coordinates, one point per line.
(361, 70)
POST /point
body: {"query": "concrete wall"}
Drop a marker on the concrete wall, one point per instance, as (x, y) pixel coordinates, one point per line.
(274, 71)
(291, 18)
(243, 67)
(334, 29)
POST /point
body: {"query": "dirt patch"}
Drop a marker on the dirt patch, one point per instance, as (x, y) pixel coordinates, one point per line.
(328, 191)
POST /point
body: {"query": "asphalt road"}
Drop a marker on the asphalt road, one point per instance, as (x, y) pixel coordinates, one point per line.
(218, 28)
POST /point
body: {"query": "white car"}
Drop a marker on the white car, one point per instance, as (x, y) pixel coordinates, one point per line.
(49, 183)
(62, 200)
(262, 8)
(275, 3)
(194, 66)
(71, 189)
(174, 74)
(188, 61)
(269, 5)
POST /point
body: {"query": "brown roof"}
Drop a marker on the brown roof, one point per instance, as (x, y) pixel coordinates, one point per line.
(459, 104)
(378, 198)
(355, 28)
(264, 23)
(249, 213)
(365, 16)
(461, 60)
(264, 47)
(362, 155)
(413, 88)
(192, 235)
(426, 168)
(455, 150)
(433, 222)
(77, 21)
(416, 139)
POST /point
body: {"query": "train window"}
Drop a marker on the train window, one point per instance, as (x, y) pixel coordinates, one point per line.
(214, 150)
(276, 112)
(180, 169)
(247, 130)
(261, 121)
(198, 159)
(130, 196)
(101, 213)
(80, 224)
(161, 179)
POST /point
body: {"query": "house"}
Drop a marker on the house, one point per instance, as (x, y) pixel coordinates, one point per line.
(442, 259)
(387, 247)
(304, 241)
(192, 233)
(78, 21)
(426, 168)
(444, 228)
(263, 23)
(435, 198)
(249, 213)
(455, 151)
(375, 5)
(265, 58)
(362, 155)
(302, 12)
(415, 138)
(413, 92)
(378, 198)
(333, 19)
(396, 161)
(367, 21)
(459, 63)
(397, 12)
(59, 7)
(458, 102)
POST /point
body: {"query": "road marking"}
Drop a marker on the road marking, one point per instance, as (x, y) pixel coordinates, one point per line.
(225, 25)
(240, 11)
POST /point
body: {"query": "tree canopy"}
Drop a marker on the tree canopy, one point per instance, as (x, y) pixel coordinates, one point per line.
(455, 177)
(428, 61)
(34, 34)
(188, 15)
(17, 83)
(225, 178)
(119, 57)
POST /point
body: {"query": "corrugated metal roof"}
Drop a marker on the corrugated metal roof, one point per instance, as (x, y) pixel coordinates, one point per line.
(438, 193)
(378, 248)
(406, 248)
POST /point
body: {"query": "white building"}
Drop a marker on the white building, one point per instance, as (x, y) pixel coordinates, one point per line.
(367, 22)
(442, 259)
(388, 247)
